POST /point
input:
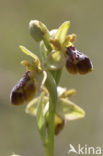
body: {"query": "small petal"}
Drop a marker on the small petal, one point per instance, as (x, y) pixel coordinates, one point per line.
(71, 38)
(68, 93)
(31, 108)
(62, 31)
(28, 52)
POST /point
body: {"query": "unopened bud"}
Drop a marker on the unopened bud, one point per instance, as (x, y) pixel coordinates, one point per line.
(24, 90)
(37, 30)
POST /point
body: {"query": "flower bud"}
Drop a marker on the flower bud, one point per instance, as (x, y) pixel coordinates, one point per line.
(37, 30)
(77, 62)
(24, 90)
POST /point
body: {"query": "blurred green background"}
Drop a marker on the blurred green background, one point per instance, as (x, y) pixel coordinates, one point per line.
(18, 131)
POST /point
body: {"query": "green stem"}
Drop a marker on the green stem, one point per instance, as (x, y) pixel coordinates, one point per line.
(51, 86)
(46, 150)
(47, 44)
(52, 79)
(51, 128)
(49, 147)
(57, 75)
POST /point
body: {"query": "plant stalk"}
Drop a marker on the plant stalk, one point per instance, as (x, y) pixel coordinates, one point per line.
(51, 86)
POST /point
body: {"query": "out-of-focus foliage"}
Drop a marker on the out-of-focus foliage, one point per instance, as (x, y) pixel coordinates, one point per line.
(18, 131)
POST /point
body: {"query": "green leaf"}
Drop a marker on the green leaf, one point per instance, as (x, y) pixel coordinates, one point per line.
(62, 31)
(68, 110)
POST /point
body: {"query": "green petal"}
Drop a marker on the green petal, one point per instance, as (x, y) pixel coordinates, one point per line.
(28, 52)
(68, 110)
(62, 31)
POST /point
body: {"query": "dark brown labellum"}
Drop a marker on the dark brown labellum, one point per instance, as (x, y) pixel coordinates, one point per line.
(77, 62)
(24, 90)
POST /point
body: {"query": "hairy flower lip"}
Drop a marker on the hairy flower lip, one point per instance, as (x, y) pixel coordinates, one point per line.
(24, 90)
(77, 62)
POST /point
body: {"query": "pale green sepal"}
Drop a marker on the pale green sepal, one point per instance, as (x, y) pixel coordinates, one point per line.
(28, 52)
(31, 108)
(14, 154)
(69, 110)
(55, 60)
(62, 31)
